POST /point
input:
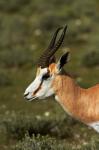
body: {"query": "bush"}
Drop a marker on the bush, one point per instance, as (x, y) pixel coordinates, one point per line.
(47, 143)
(39, 129)
(47, 24)
(15, 31)
(39, 143)
(17, 126)
(15, 58)
(12, 5)
(91, 59)
(4, 79)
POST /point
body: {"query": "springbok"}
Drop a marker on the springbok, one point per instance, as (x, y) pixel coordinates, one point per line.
(80, 103)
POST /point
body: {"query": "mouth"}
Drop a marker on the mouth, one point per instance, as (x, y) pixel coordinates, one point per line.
(30, 99)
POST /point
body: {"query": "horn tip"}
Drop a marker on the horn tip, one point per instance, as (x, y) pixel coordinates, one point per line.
(65, 28)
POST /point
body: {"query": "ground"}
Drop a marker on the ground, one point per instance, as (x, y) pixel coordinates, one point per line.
(26, 28)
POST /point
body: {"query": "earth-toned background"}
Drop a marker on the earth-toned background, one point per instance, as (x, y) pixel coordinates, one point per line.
(26, 27)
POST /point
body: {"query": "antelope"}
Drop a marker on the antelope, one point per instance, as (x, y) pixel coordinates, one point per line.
(80, 103)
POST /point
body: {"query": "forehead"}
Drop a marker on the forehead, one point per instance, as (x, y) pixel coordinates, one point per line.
(41, 71)
(51, 69)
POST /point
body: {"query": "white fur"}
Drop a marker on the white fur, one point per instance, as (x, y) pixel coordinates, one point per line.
(45, 90)
(95, 126)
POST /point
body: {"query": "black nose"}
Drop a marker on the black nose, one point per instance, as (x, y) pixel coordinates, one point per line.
(26, 94)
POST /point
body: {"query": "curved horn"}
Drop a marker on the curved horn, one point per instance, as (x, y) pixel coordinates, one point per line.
(52, 42)
(59, 42)
(52, 48)
(42, 59)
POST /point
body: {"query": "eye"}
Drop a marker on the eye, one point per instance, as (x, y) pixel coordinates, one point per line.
(45, 77)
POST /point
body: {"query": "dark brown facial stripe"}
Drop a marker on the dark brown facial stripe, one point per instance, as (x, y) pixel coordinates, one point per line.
(38, 88)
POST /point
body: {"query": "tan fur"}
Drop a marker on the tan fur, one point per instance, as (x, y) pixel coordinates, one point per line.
(38, 71)
(52, 68)
(83, 104)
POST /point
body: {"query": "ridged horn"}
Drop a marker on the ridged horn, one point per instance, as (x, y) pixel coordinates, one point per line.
(59, 42)
(52, 42)
(42, 59)
(52, 48)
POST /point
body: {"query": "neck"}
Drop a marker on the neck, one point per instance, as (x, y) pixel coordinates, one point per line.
(67, 92)
(76, 101)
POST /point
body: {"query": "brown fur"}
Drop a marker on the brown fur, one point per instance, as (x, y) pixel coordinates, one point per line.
(83, 104)
(52, 68)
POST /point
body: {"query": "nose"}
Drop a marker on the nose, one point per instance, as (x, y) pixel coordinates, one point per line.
(26, 94)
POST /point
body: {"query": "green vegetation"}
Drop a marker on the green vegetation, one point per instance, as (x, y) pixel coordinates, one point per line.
(46, 132)
(5, 79)
(26, 28)
(41, 142)
(91, 59)
(16, 58)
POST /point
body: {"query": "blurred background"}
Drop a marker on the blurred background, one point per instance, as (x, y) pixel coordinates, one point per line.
(26, 27)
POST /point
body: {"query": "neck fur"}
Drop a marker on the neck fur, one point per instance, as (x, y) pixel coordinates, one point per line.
(80, 103)
(67, 92)
(71, 97)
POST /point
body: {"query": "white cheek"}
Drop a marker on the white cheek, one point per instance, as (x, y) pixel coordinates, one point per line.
(46, 90)
(33, 86)
(49, 88)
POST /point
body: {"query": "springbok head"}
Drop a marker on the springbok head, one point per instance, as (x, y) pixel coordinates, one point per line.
(47, 69)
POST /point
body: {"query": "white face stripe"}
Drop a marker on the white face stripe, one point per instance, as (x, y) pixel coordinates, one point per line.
(40, 88)
(36, 83)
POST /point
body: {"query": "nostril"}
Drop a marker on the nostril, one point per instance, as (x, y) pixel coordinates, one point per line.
(26, 94)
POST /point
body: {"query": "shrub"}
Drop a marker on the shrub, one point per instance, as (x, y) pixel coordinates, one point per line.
(12, 5)
(47, 24)
(16, 127)
(14, 31)
(15, 58)
(40, 129)
(47, 143)
(4, 79)
(91, 59)
(39, 143)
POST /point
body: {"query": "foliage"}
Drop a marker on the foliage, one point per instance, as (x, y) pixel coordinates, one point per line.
(14, 32)
(26, 27)
(17, 126)
(39, 143)
(38, 133)
(91, 59)
(5, 80)
(12, 5)
(48, 143)
(15, 58)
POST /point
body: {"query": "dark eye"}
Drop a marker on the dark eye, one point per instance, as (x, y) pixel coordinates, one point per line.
(45, 77)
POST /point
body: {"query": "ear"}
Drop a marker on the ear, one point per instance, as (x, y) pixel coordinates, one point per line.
(63, 60)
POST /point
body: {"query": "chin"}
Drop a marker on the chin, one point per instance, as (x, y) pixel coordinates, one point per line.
(31, 99)
(42, 97)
